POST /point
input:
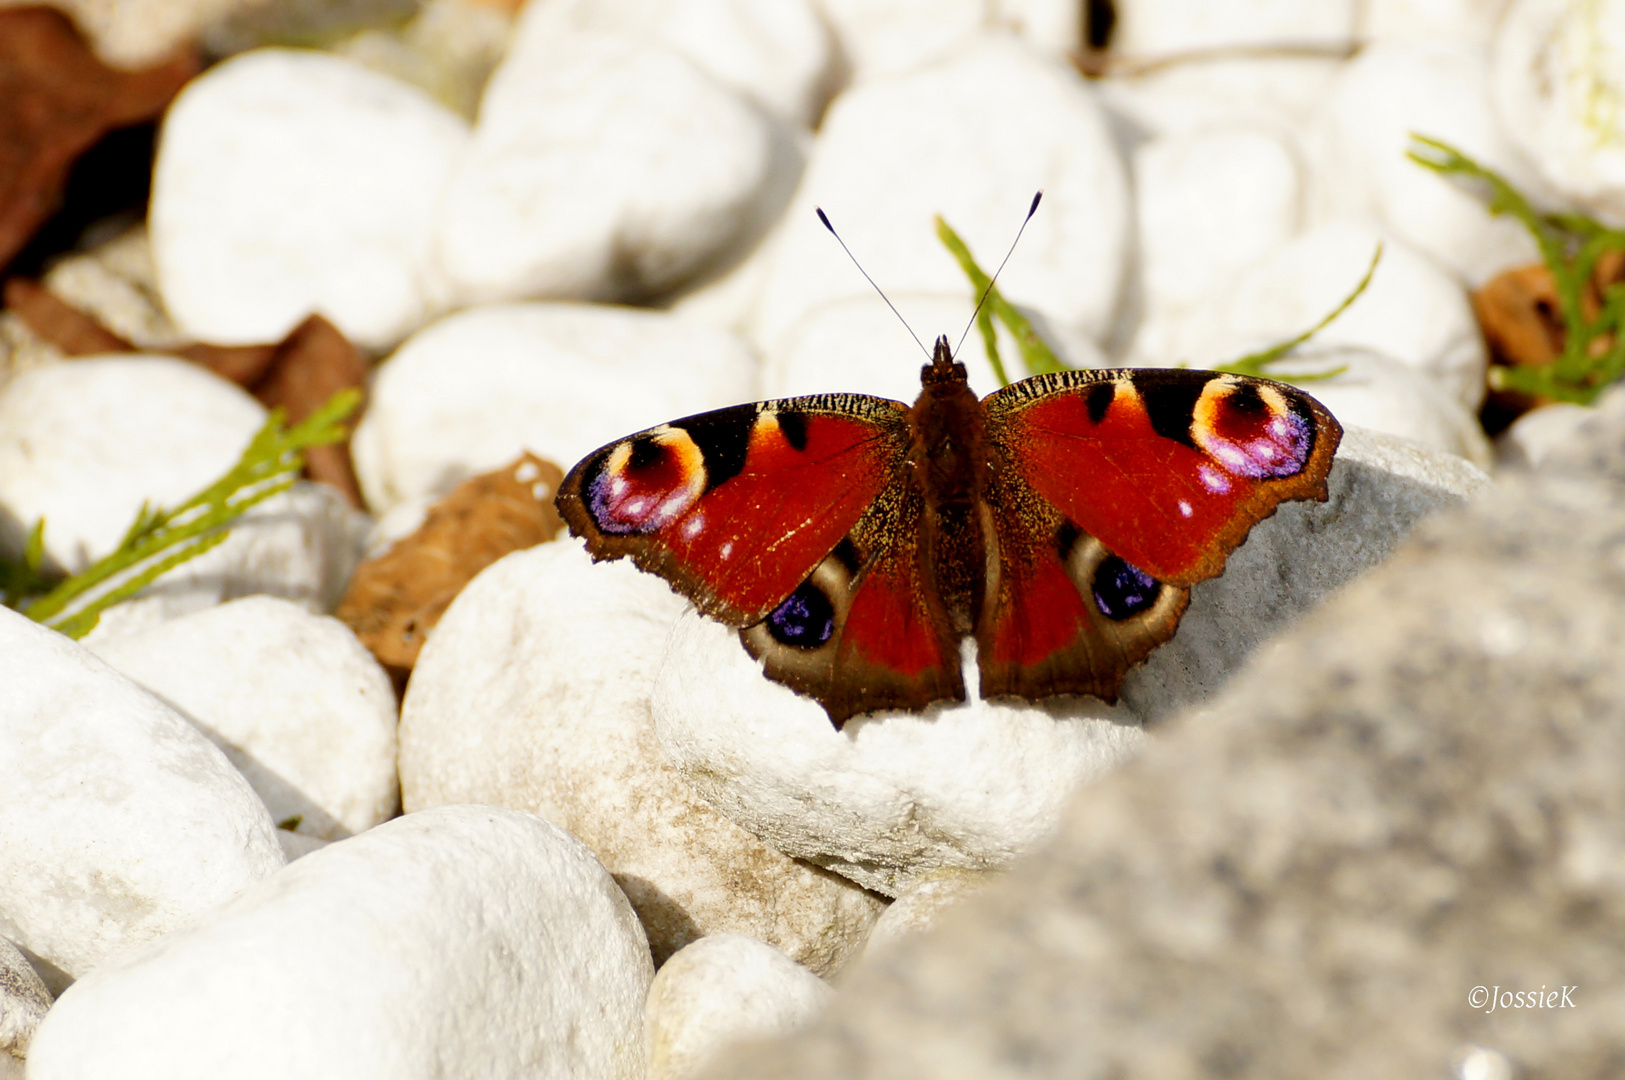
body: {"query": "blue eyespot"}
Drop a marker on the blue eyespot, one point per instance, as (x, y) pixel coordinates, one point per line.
(1122, 590)
(805, 620)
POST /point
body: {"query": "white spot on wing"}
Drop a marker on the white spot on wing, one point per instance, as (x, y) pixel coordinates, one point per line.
(1185, 508)
(526, 472)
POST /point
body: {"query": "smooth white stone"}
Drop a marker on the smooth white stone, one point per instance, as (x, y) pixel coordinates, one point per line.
(1195, 96)
(1209, 203)
(1471, 21)
(1412, 311)
(23, 1003)
(119, 821)
(469, 941)
(290, 182)
(1055, 26)
(471, 392)
(606, 167)
(1159, 27)
(298, 845)
(84, 444)
(1440, 90)
(1379, 393)
(1558, 84)
(723, 989)
(857, 345)
(894, 796)
(970, 138)
(921, 904)
(533, 693)
(779, 53)
(1537, 433)
(884, 37)
(299, 706)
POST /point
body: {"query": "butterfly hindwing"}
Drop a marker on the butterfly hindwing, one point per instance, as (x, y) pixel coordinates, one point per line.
(867, 630)
(735, 508)
(1112, 492)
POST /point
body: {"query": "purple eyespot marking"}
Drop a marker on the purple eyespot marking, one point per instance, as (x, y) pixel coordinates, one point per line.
(805, 620)
(1213, 479)
(644, 484)
(1252, 432)
(1122, 590)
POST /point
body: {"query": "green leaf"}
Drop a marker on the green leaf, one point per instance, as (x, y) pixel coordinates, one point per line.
(1036, 356)
(1570, 246)
(1255, 363)
(158, 540)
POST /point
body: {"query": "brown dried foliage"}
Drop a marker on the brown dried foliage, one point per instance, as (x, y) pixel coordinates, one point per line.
(57, 100)
(395, 599)
(1522, 321)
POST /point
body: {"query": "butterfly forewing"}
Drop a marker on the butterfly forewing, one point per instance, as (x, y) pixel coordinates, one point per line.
(735, 508)
(1114, 491)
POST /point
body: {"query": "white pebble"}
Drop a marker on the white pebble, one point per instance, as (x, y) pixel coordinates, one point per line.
(289, 182)
(533, 693)
(1413, 310)
(857, 345)
(779, 53)
(469, 393)
(119, 821)
(723, 989)
(921, 905)
(893, 794)
(294, 700)
(971, 138)
(886, 37)
(1440, 90)
(1160, 27)
(1198, 95)
(469, 941)
(606, 168)
(1538, 432)
(1377, 392)
(1558, 86)
(1209, 203)
(1458, 20)
(84, 444)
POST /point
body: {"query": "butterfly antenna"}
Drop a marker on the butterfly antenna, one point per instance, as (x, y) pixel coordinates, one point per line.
(825, 219)
(1031, 210)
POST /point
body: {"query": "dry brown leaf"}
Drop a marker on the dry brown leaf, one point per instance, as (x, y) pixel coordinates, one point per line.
(56, 101)
(1522, 321)
(396, 598)
(312, 364)
(59, 322)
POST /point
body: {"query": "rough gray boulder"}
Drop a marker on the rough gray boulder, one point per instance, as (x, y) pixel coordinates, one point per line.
(1417, 791)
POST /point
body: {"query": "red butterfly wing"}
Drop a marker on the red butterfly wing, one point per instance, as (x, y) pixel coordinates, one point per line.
(1114, 491)
(735, 508)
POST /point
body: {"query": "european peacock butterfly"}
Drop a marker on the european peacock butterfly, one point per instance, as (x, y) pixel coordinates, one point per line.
(854, 540)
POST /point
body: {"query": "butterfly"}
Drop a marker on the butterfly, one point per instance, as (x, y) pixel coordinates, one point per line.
(855, 541)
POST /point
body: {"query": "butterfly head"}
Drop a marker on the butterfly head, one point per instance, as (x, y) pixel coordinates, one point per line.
(943, 368)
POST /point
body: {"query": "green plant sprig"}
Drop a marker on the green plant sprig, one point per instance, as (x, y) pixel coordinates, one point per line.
(1255, 363)
(158, 540)
(1036, 355)
(1039, 359)
(1570, 245)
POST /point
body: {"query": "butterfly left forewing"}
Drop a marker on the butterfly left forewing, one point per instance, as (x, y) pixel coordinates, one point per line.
(1112, 492)
(734, 508)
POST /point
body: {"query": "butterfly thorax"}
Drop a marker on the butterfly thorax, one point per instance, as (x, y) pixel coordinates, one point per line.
(947, 455)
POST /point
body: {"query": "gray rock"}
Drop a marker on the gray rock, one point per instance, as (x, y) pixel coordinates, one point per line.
(23, 1001)
(1414, 793)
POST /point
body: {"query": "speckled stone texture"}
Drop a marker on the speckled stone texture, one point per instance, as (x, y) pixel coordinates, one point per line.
(1415, 792)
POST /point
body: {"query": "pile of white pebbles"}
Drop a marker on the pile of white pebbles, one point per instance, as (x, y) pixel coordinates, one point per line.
(201, 842)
